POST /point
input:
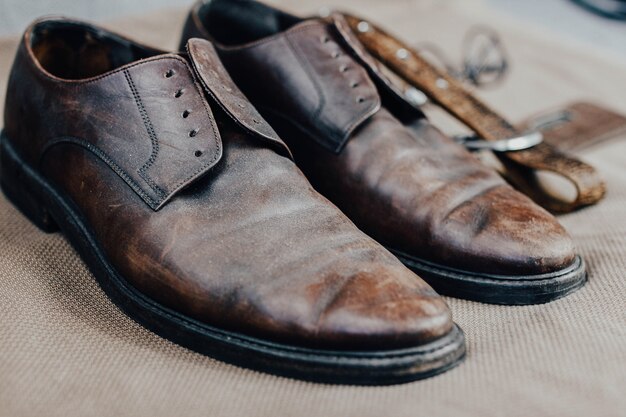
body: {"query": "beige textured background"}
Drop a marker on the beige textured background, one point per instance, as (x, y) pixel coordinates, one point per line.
(66, 350)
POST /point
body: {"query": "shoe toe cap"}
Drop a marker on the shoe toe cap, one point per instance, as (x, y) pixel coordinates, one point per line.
(504, 232)
(372, 307)
(383, 309)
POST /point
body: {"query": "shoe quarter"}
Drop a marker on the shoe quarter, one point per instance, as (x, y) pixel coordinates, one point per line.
(149, 122)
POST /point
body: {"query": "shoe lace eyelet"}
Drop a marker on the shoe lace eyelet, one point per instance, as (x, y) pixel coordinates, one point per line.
(193, 133)
(169, 73)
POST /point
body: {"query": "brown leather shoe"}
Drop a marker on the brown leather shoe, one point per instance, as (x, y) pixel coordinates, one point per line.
(186, 206)
(426, 198)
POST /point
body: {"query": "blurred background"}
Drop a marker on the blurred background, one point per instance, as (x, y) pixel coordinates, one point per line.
(574, 19)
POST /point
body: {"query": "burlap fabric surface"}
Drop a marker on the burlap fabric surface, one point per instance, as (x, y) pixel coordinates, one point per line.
(66, 350)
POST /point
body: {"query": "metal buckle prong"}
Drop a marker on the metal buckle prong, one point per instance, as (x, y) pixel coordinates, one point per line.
(517, 143)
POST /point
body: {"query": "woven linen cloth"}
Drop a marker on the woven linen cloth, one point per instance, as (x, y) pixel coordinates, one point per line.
(66, 350)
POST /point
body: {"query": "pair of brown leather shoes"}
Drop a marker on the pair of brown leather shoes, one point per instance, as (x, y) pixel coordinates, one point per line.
(189, 209)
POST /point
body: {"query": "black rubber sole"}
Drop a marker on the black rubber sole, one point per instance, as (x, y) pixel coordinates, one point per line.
(499, 289)
(50, 211)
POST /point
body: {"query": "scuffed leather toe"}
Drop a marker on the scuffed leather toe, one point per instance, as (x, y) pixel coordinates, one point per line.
(502, 232)
(380, 308)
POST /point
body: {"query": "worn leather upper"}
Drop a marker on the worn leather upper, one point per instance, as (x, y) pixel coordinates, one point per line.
(397, 177)
(217, 224)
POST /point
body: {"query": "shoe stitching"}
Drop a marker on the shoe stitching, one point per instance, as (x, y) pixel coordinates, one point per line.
(151, 133)
(105, 158)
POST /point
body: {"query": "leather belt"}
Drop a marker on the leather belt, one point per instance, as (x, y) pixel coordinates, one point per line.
(520, 167)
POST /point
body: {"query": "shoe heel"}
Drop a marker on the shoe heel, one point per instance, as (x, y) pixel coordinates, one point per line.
(22, 189)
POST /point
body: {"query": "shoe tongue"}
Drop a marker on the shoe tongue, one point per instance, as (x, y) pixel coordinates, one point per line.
(219, 85)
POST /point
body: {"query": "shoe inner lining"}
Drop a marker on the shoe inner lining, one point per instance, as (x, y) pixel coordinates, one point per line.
(234, 22)
(71, 50)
